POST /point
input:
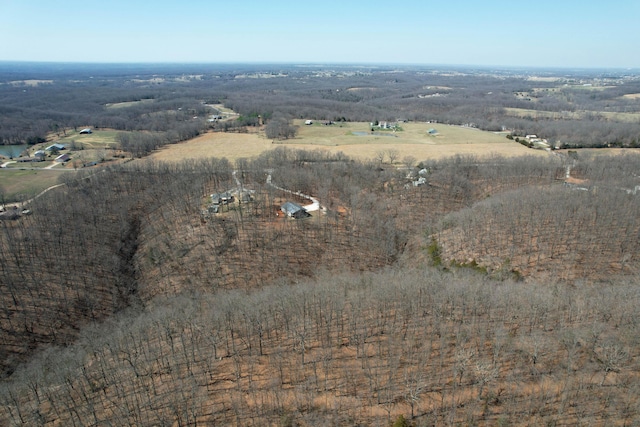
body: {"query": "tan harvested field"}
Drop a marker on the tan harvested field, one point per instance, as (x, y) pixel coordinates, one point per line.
(413, 141)
(573, 115)
(632, 96)
(129, 103)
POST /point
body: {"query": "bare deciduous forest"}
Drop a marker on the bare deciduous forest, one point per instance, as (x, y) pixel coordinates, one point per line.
(498, 291)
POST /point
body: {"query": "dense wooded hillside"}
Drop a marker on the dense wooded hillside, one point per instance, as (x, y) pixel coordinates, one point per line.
(171, 314)
(463, 291)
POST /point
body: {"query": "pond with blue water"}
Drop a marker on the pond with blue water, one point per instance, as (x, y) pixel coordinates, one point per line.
(12, 150)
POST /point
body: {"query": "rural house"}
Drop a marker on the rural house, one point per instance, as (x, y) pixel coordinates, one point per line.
(294, 210)
(222, 198)
(55, 147)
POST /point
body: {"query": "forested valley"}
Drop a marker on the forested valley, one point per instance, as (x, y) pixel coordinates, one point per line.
(496, 293)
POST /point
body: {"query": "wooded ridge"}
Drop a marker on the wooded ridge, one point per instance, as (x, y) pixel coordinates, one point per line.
(476, 290)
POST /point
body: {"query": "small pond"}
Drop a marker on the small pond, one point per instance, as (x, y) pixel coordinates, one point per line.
(12, 150)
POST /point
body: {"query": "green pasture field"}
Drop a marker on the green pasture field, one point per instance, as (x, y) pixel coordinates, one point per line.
(18, 185)
(97, 139)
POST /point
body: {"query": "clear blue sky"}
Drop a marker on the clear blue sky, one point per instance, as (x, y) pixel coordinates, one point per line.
(492, 32)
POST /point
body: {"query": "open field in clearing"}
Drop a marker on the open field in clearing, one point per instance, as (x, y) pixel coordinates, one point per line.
(632, 96)
(97, 139)
(413, 140)
(223, 110)
(31, 82)
(129, 103)
(573, 115)
(26, 182)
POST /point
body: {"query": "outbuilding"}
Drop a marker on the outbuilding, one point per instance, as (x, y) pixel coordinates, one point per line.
(55, 147)
(62, 158)
(294, 210)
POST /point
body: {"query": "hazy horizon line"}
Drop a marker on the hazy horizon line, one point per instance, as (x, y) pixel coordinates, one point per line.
(316, 64)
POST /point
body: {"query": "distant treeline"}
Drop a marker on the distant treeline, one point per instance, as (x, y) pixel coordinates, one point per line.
(75, 97)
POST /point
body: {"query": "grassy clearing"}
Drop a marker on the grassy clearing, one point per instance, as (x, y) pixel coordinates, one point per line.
(412, 133)
(573, 115)
(30, 165)
(19, 185)
(17, 180)
(97, 139)
(129, 103)
(223, 110)
(412, 141)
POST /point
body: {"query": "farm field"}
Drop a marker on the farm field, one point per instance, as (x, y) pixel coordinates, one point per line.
(413, 140)
(26, 182)
(97, 139)
(573, 115)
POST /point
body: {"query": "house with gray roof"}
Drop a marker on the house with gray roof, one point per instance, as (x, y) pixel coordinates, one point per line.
(222, 198)
(294, 210)
(55, 147)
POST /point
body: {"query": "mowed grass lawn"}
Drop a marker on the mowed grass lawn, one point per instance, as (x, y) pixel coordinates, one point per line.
(414, 140)
(18, 185)
(97, 139)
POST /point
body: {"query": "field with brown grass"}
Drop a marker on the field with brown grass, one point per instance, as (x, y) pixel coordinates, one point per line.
(413, 140)
(573, 115)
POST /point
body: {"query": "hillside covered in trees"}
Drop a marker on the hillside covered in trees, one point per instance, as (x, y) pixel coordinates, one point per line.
(499, 291)
(136, 308)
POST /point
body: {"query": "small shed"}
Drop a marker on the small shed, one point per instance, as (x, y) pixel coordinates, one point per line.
(86, 131)
(62, 158)
(294, 210)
